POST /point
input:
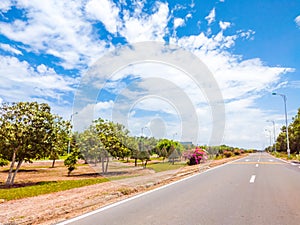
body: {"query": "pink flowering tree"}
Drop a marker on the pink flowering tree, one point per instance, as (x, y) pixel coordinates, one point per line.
(195, 156)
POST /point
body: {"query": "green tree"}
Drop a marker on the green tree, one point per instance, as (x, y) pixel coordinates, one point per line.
(294, 134)
(26, 133)
(91, 147)
(60, 138)
(167, 145)
(173, 156)
(71, 160)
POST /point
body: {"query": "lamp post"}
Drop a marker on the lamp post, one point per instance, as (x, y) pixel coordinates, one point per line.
(273, 133)
(70, 133)
(286, 123)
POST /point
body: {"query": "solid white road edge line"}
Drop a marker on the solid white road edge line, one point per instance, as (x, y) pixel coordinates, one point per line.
(252, 179)
(139, 195)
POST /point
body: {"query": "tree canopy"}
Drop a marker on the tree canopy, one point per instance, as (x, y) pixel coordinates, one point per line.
(294, 136)
(28, 131)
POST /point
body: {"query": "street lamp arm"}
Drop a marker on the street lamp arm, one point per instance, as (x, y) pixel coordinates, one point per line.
(286, 122)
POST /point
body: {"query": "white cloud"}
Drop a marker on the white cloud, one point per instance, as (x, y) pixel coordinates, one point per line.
(106, 12)
(5, 5)
(56, 27)
(297, 21)
(211, 16)
(224, 25)
(188, 16)
(10, 49)
(21, 82)
(241, 82)
(178, 22)
(144, 27)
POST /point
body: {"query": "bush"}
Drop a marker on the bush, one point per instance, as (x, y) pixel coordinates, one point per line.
(195, 156)
(236, 152)
(227, 154)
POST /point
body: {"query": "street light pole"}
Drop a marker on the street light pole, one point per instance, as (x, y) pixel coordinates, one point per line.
(286, 123)
(274, 133)
(70, 132)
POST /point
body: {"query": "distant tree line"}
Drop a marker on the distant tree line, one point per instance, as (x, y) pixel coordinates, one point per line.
(29, 131)
(294, 137)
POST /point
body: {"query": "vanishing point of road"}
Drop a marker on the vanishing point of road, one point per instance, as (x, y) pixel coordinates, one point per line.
(256, 190)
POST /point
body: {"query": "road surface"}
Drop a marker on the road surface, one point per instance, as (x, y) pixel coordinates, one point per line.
(256, 190)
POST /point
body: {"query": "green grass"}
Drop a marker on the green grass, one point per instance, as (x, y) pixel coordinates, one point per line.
(160, 167)
(284, 155)
(46, 188)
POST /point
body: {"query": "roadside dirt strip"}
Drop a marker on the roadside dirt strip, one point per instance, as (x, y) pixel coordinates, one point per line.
(55, 207)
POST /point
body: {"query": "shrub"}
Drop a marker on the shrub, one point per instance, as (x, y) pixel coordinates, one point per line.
(227, 154)
(195, 156)
(236, 152)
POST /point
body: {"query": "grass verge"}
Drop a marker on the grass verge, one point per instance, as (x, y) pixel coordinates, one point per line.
(160, 167)
(46, 188)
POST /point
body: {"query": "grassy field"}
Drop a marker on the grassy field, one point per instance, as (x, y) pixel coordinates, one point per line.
(46, 187)
(39, 178)
(160, 167)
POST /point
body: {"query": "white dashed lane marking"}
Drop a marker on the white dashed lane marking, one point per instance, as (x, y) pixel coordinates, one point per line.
(252, 179)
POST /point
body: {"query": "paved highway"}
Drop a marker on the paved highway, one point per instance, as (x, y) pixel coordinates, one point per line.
(256, 190)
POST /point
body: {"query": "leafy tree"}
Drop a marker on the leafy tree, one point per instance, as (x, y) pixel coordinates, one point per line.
(3, 162)
(166, 145)
(173, 155)
(294, 134)
(112, 137)
(26, 133)
(133, 145)
(144, 156)
(60, 138)
(91, 147)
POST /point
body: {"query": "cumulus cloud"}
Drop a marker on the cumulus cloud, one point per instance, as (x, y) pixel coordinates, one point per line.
(224, 25)
(178, 22)
(297, 21)
(21, 82)
(10, 49)
(211, 16)
(57, 28)
(145, 27)
(5, 5)
(106, 12)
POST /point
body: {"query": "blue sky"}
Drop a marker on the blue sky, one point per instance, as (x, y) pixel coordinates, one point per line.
(250, 47)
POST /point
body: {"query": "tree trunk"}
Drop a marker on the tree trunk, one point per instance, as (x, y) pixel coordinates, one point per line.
(102, 162)
(106, 167)
(8, 181)
(53, 163)
(15, 173)
(135, 162)
(146, 163)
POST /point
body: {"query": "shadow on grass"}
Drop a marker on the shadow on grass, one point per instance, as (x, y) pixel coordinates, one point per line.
(19, 185)
(20, 170)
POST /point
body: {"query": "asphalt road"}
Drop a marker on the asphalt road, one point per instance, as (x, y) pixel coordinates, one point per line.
(256, 190)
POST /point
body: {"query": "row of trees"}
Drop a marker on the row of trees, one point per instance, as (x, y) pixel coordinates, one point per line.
(29, 131)
(294, 136)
